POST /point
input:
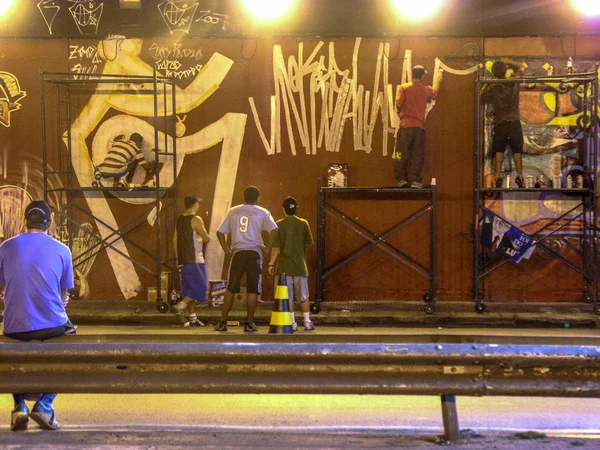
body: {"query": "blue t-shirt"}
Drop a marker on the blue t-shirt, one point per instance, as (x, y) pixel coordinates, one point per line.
(34, 268)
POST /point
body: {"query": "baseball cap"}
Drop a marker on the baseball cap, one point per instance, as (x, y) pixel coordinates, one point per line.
(289, 205)
(38, 211)
(419, 68)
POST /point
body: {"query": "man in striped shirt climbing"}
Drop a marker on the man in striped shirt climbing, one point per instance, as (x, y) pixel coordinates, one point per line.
(120, 159)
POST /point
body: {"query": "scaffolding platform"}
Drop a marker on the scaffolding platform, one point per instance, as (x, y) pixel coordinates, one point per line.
(326, 209)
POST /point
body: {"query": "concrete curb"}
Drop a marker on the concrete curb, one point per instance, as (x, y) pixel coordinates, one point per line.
(394, 314)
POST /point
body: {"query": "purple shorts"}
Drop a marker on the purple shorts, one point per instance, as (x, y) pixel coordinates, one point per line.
(193, 282)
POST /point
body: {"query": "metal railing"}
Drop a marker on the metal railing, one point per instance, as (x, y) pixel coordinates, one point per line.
(439, 365)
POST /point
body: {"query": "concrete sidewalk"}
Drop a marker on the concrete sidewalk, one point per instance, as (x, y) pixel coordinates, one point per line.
(389, 314)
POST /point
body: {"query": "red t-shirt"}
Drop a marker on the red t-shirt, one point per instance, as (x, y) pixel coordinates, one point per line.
(411, 103)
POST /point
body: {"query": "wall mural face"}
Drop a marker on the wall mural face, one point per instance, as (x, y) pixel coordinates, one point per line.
(49, 9)
(86, 14)
(10, 96)
(178, 14)
(134, 112)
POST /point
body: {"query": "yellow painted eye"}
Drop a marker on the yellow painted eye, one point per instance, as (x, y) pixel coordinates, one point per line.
(549, 101)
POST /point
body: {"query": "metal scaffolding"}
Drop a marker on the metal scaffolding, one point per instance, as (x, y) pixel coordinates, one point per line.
(326, 208)
(63, 89)
(585, 211)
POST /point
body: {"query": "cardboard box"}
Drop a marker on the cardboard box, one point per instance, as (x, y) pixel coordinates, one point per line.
(337, 175)
(216, 292)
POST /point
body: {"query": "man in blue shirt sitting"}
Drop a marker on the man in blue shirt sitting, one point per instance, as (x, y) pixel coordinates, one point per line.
(36, 271)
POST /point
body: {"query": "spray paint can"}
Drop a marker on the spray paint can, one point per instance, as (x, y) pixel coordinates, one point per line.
(579, 181)
(529, 181)
(507, 182)
(556, 182)
(569, 181)
(540, 181)
(174, 297)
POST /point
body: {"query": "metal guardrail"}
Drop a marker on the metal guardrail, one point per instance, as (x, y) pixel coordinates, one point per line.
(423, 365)
(437, 365)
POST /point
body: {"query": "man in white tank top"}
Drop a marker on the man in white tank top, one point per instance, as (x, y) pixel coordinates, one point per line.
(188, 241)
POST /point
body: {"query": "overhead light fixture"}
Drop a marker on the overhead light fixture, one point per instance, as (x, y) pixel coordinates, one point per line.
(5, 6)
(130, 4)
(590, 8)
(417, 9)
(268, 9)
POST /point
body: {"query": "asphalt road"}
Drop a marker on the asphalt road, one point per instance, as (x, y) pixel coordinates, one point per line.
(306, 421)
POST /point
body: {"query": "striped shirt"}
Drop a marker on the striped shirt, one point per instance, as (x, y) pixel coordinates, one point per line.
(120, 156)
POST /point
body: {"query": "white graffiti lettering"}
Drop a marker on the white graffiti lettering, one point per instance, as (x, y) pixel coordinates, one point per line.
(174, 51)
(167, 64)
(84, 52)
(191, 72)
(84, 71)
(212, 19)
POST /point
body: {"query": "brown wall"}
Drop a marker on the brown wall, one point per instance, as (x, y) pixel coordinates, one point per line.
(375, 275)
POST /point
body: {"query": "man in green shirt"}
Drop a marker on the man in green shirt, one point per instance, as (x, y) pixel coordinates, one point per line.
(289, 257)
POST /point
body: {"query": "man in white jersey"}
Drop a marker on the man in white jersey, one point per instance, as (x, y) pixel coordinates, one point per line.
(245, 224)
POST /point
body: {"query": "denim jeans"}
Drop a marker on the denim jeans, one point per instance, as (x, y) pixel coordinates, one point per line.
(45, 402)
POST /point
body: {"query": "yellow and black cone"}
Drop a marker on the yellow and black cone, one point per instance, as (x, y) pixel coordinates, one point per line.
(281, 317)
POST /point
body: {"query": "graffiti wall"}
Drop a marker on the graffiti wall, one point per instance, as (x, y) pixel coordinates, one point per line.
(269, 112)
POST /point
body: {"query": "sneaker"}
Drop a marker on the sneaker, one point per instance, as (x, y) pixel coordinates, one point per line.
(221, 325)
(520, 182)
(19, 418)
(416, 185)
(294, 326)
(309, 326)
(179, 307)
(499, 182)
(402, 183)
(250, 327)
(121, 182)
(194, 323)
(46, 419)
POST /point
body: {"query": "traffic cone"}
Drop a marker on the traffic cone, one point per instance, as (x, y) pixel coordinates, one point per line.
(281, 317)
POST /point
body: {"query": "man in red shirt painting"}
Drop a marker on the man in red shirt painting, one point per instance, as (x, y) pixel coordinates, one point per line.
(410, 141)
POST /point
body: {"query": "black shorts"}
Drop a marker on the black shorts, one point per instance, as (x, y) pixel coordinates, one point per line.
(508, 133)
(248, 262)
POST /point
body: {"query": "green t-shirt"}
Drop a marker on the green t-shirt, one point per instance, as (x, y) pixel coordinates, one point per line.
(293, 235)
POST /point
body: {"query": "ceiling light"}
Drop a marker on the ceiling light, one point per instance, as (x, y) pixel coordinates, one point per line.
(5, 5)
(268, 9)
(417, 9)
(587, 7)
